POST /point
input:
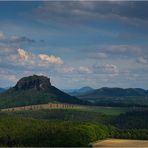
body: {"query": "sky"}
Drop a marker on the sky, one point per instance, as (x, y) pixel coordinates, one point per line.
(75, 43)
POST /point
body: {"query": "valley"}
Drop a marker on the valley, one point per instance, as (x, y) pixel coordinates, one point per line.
(33, 102)
(73, 73)
(99, 109)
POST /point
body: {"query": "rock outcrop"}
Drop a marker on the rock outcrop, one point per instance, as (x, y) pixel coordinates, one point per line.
(34, 82)
(33, 90)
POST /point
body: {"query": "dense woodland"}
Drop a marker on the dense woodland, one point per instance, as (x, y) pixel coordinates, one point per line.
(65, 127)
(59, 127)
(31, 132)
(121, 101)
(132, 120)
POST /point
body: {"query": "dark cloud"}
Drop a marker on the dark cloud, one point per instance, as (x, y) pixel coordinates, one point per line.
(132, 36)
(14, 39)
(94, 39)
(142, 60)
(123, 50)
(22, 39)
(106, 69)
(128, 11)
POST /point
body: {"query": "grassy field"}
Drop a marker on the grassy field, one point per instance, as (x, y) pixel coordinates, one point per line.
(104, 110)
(121, 143)
(107, 110)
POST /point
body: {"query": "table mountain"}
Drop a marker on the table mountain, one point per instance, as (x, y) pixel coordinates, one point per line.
(33, 82)
(35, 90)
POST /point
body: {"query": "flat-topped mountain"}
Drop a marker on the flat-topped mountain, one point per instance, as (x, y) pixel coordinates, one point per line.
(34, 82)
(35, 90)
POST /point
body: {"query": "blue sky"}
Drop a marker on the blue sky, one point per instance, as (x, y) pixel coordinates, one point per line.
(75, 43)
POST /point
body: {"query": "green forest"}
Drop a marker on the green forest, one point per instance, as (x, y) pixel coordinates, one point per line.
(67, 127)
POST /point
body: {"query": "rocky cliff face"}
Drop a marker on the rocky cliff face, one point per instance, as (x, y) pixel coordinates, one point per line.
(33, 82)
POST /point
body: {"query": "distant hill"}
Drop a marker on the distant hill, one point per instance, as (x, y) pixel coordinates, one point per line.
(117, 96)
(107, 92)
(82, 91)
(2, 90)
(113, 92)
(35, 90)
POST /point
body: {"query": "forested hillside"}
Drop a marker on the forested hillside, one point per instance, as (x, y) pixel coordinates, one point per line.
(35, 90)
(33, 133)
(68, 127)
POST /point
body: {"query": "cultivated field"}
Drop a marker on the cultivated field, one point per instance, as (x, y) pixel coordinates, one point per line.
(121, 143)
(99, 109)
(44, 106)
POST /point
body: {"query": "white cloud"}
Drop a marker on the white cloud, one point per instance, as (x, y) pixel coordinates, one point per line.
(38, 60)
(14, 39)
(18, 39)
(89, 10)
(12, 78)
(24, 59)
(142, 60)
(68, 69)
(101, 55)
(84, 69)
(7, 75)
(111, 68)
(23, 54)
(123, 49)
(2, 36)
(51, 59)
(77, 70)
(106, 69)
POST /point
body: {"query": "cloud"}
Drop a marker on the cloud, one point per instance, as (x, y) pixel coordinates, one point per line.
(11, 78)
(23, 60)
(17, 63)
(131, 52)
(99, 55)
(2, 36)
(76, 70)
(131, 36)
(106, 69)
(78, 11)
(51, 59)
(7, 76)
(111, 68)
(22, 54)
(40, 59)
(121, 50)
(14, 39)
(142, 60)
(84, 69)
(23, 39)
(68, 69)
